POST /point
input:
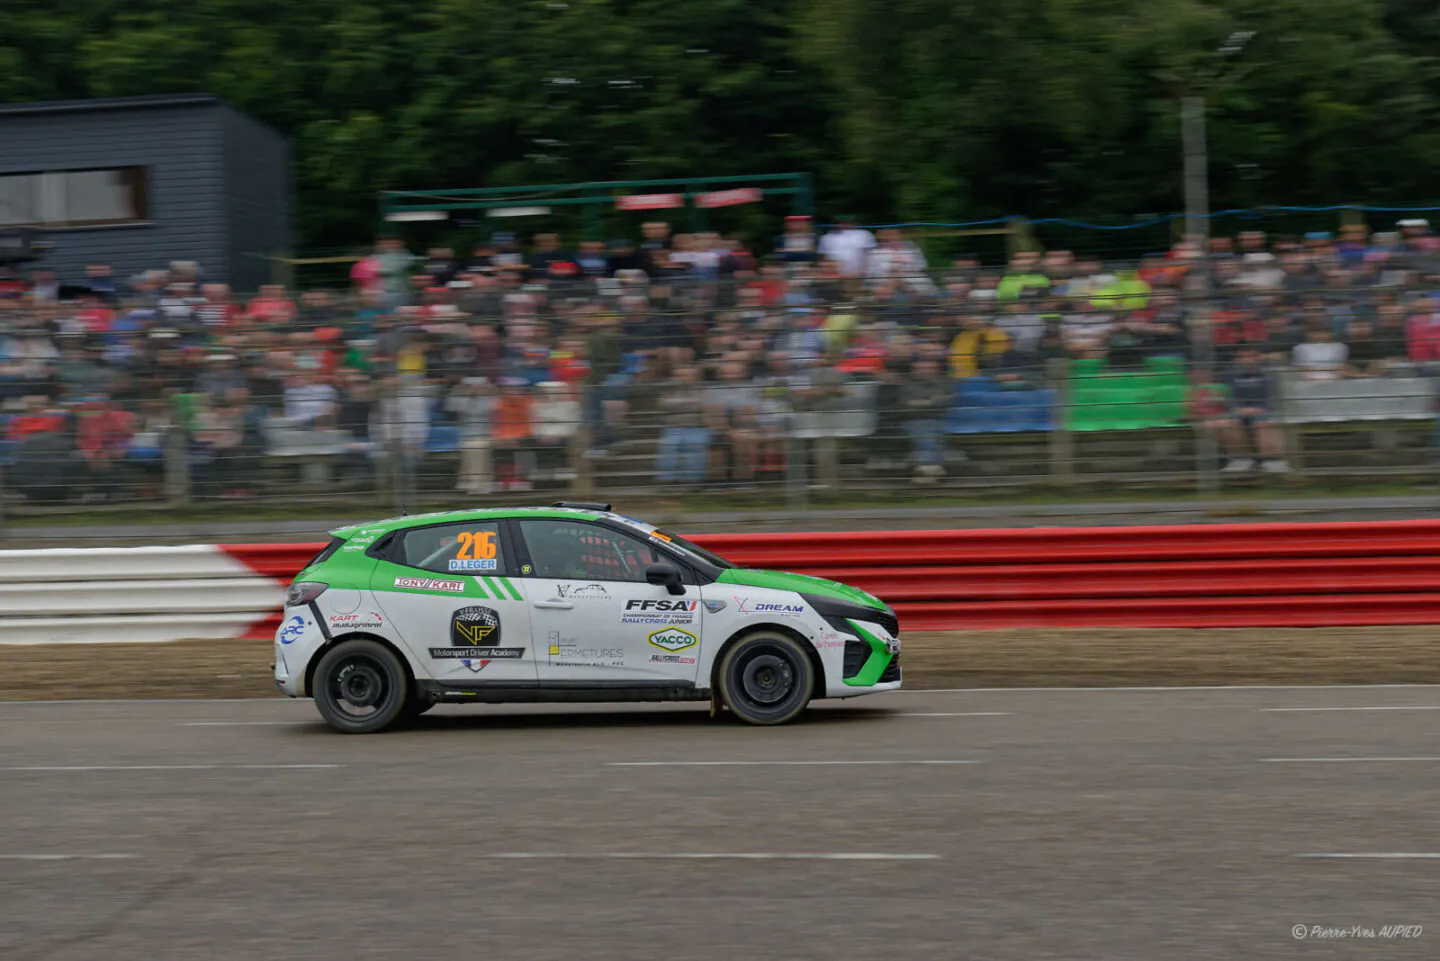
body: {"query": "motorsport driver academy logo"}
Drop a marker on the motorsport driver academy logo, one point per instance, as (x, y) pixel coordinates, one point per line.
(659, 612)
(474, 638)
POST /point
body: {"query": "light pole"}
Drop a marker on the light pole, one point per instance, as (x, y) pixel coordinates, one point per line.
(1197, 226)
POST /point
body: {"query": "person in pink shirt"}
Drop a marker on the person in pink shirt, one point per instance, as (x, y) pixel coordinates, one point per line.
(1422, 336)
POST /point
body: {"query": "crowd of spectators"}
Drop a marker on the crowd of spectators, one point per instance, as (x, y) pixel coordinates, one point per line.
(521, 354)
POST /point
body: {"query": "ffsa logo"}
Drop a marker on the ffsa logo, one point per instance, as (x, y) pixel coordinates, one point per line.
(661, 605)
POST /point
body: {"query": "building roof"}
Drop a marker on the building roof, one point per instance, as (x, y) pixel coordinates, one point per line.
(110, 103)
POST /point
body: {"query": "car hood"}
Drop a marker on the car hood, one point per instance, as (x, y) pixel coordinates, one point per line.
(799, 583)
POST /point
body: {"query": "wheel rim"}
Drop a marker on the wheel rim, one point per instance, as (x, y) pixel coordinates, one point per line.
(767, 679)
(360, 687)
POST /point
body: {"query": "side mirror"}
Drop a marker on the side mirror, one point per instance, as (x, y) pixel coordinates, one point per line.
(666, 575)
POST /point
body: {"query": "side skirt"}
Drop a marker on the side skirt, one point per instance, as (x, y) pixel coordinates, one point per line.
(532, 692)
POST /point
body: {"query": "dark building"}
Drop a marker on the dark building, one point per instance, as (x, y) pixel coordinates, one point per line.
(138, 182)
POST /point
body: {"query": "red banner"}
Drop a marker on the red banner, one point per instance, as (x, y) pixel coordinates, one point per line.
(649, 201)
(729, 198)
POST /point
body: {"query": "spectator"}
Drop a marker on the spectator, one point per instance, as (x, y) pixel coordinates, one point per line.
(472, 404)
(1251, 424)
(848, 247)
(796, 246)
(684, 439)
(732, 417)
(310, 402)
(1319, 357)
(975, 340)
(512, 434)
(925, 397)
(392, 266)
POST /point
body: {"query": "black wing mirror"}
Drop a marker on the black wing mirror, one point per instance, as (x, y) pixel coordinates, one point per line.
(666, 575)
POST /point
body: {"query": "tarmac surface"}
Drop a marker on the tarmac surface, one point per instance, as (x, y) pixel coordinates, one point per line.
(1113, 824)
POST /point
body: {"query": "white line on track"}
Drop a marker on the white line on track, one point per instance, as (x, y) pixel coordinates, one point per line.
(958, 714)
(1316, 710)
(242, 723)
(66, 857)
(1379, 856)
(768, 763)
(1341, 760)
(702, 856)
(174, 767)
(1160, 689)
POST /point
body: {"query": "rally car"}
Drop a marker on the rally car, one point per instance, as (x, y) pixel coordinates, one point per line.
(567, 603)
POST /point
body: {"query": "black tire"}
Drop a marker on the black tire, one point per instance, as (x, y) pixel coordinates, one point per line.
(766, 678)
(360, 687)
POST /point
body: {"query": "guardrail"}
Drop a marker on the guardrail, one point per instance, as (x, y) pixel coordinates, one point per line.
(1223, 575)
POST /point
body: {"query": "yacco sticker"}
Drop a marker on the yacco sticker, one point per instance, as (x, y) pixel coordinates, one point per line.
(745, 606)
(430, 584)
(474, 564)
(292, 630)
(672, 639)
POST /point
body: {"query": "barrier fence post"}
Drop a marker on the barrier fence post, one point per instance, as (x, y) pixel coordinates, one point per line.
(1062, 442)
(177, 466)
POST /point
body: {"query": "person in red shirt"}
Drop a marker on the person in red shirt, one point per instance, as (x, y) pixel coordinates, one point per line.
(94, 315)
(39, 418)
(272, 306)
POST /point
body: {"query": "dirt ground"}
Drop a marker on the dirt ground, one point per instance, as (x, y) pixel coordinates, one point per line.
(1093, 657)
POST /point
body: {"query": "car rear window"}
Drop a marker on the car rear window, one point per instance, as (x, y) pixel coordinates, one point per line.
(326, 551)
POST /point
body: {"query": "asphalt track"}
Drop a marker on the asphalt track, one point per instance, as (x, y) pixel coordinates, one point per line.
(1119, 824)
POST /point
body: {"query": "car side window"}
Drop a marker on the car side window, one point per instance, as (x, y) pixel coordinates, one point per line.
(570, 550)
(468, 547)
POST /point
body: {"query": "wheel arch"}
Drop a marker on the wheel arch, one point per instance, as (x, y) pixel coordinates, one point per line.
(789, 631)
(330, 645)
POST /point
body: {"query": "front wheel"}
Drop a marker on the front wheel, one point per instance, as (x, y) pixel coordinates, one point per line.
(360, 687)
(766, 678)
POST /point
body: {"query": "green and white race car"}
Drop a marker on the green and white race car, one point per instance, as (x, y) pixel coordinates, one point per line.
(567, 603)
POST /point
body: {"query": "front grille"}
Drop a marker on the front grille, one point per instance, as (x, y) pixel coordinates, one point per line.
(856, 653)
(892, 671)
(889, 621)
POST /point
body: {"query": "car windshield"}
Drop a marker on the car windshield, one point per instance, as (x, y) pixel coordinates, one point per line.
(695, 549)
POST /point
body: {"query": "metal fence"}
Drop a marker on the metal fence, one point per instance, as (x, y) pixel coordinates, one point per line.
(788, 386)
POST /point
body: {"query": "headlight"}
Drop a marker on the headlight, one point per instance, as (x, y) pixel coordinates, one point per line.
(837, 612)
(303, 592)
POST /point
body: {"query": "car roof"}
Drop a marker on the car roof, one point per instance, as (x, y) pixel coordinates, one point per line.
(478, 514)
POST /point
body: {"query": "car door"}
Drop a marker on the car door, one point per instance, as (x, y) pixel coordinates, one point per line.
(448, 591)
(593, 617)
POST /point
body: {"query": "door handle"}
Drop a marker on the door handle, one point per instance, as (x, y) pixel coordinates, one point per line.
(555, 605)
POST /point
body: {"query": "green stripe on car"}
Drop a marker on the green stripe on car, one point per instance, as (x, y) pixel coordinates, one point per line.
(514, 594)
(875, 664)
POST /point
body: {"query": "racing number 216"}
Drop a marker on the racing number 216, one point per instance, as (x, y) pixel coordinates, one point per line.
(476, 545)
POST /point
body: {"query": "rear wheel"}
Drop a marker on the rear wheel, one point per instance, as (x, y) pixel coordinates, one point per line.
(360, 687)
(766, 678)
